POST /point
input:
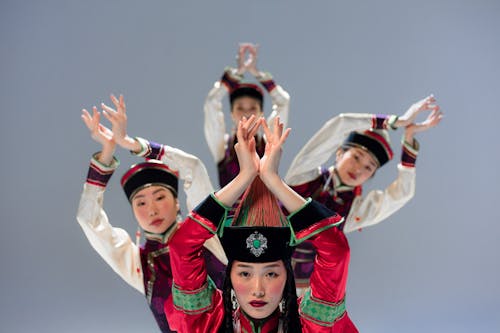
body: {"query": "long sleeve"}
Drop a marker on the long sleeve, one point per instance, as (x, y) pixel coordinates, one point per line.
(324, 144)
(196, 305)
(322, 308)
(215, 126)
(191, 169)
(377, 205)
(280, 99)
(113, 244)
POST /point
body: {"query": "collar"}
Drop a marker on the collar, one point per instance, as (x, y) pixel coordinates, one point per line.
(163, 237)
(244, 323)
(338, 186)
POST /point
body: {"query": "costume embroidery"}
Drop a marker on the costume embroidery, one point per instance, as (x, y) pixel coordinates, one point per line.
(257, 243)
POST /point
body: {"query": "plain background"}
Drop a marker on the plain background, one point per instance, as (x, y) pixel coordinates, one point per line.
(431, 267)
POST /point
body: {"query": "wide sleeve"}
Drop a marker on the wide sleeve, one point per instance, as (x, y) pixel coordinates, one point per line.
(113, 244)
(324, 144)
(378, 205)
(323, 302)
(214, 126)
(196, 304)
(191, 169)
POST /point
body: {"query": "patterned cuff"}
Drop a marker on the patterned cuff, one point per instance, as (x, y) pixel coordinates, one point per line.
(266, 79)
(194, 301)
(409, 153)
(321, 312)
(212, 210)
(99, 174)
(149, 149)
(380, 121)
(231, 78)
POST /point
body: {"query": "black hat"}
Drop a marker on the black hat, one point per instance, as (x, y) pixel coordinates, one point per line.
(256, 244)
(247, 89)
(146, 174)
(259, 231)
(376, 142)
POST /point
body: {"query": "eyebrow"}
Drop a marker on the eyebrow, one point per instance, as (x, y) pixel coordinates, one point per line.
(138, 196)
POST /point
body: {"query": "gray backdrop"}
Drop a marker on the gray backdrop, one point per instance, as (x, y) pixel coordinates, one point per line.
(431, 267)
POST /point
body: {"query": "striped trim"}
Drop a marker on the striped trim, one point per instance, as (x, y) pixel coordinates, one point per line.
(320, 312)
(379, 121)
(313, 230)
(205, 223)
(99, 174)
(229, 80)
(269, 85)
(409, 154)
(196, 301)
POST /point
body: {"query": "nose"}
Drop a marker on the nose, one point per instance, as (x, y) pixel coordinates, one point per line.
(152, 210)
(258, 290)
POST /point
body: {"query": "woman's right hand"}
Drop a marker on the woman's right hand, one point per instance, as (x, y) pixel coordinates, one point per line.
(101, 134)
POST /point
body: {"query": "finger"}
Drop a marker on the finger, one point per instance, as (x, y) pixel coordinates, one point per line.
(107, 108)
(255, 127)
(122, 103)
(285, 136)
(115, 100)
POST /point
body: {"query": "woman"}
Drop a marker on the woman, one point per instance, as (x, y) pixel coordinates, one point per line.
(360, 144)
(245, 99)
(151, 188)
(258, 244)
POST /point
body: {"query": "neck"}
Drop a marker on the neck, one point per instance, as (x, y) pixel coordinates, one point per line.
(163, 237)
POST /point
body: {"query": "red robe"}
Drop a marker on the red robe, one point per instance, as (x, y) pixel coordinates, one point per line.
(197, 306)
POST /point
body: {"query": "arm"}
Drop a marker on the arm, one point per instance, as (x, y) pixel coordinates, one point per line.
(378, 205)
(113, 244)
(214, 126)
(324, 144)
(279, 97)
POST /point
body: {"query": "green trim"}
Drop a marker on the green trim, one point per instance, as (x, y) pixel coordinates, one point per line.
(295, 241)
(308, 200)
(412, 148)
(203, 225)
(144, 146)
(392, 121)
(194, 301)
(112, 166)
(224, 220)
(321, 312)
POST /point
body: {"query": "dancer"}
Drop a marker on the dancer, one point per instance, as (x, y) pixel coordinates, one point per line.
(245, 99)
(361, 145)
(151, 188)
(259, 290)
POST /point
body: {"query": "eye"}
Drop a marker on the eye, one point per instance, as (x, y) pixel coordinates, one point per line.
(160, 197)
(140, 203)
(272, 275)
(244, 274)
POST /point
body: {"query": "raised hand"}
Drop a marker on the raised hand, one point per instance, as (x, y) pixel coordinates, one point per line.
(275, 138)
(426, 104)
(245, 147)
(118, 119)
(101, 134)
(251, 63)
(433, 119)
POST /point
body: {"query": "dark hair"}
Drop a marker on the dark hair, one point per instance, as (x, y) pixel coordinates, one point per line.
(251, 91)
(290, 316)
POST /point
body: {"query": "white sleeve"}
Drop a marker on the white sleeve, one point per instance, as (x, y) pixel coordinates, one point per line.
(215, 127)
(377, 205)
(323, 145)
(281, 106)
(192, 171)
(113, 244)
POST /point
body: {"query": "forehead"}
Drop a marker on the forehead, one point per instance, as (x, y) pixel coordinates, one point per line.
(152, 190)
(258, 266)
(245, 100)
(364, 154)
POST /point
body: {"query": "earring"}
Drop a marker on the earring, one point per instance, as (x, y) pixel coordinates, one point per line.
(234, 301)
(138, 236)
(282, 305)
